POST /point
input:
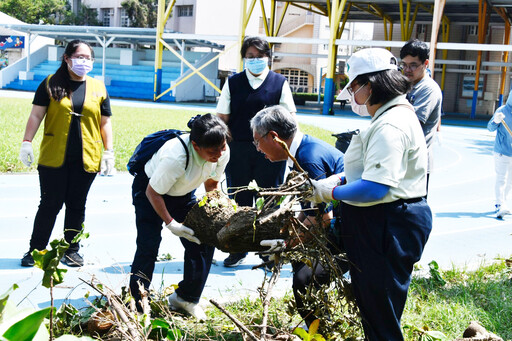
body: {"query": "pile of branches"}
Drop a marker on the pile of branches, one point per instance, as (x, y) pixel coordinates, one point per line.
(218, 221)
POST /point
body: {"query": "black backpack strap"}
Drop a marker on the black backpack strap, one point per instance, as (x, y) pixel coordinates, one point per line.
(186, 150)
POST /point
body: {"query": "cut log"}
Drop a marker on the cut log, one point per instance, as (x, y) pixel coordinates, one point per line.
(216, 221)
(209, 216)
(243, 232)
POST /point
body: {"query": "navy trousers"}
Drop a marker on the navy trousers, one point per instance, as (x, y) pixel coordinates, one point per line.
(382, 243)
(246, 163)
(68, 185)
(198, 258)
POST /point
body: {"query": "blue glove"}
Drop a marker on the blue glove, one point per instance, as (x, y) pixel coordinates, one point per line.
(360, 191)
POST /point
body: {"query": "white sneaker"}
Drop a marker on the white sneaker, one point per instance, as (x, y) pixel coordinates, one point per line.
(502, 212)
(178, 303)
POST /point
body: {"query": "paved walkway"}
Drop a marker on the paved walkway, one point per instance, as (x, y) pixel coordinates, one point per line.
(461, 197)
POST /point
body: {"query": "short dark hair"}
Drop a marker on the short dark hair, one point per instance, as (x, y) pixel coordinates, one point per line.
(209, 131)
(415, 48)
(259, 44)
(386, 85)
(59, 85)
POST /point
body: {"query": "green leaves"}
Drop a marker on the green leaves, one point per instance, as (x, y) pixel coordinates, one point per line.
(163, 327)
(48, 261)
(435, 274)
(5, 297)
(26, 329)
(425, 334)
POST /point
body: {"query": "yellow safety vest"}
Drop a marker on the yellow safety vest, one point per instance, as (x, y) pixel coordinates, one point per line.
(57, 123)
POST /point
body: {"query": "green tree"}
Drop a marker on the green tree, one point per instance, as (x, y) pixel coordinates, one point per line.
(85, 16)
(34, 11)
(142, 13)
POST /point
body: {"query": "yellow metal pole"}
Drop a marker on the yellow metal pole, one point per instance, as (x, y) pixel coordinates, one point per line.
(412, 22)
(196, 71)
(157, 83)
(482, 29)
(244, 20)
(344, 21)
(402, 29)
(168, 11)
(336, 12)
(506, 41)
(272, 17)
(505, 60)
(264, 14)
(446, 36)
(406, 26)
(282, 18)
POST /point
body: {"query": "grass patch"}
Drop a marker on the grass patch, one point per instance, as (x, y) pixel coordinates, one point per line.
(130, 125)
(484, 295)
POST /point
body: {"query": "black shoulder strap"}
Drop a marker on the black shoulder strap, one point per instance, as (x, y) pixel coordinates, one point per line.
(186, 150)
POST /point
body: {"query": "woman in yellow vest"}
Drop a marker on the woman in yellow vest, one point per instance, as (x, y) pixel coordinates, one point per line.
(76, 113)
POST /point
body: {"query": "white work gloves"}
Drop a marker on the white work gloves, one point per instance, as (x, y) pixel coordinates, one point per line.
(498, 117)
(274, 245)
(27, 153)
(182, 231)
(107, 163)
(322, 189)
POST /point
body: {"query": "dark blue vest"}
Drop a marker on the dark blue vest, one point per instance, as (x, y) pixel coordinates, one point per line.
(246, 101)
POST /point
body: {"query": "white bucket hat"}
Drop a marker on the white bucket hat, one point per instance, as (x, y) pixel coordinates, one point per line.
(367, 61)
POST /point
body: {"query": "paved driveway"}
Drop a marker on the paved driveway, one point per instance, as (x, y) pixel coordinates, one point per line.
(461, 196)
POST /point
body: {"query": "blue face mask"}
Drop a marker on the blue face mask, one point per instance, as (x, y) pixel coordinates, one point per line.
(256, 65)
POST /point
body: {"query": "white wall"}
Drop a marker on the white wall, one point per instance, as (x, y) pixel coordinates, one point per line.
(99, 4)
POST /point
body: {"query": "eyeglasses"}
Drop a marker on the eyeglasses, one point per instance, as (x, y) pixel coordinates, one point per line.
(256, 142)
(83, 58)
(411, 67)
(352, 92)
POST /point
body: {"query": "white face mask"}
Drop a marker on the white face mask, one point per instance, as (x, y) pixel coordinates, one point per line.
(81, 67)
(359, 109)
(256, 65)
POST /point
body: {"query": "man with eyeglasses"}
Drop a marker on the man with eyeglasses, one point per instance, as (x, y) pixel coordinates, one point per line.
(243, 95)
(320, 160)
(425, 96)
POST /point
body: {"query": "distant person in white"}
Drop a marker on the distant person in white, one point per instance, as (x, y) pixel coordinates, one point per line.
(502, 155)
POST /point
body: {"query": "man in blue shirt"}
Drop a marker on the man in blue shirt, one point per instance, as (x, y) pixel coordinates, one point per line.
(319, 160)
(502, 155)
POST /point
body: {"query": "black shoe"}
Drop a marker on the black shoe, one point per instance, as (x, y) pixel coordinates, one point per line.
(234, 259)
(27, 259)
(72, 259)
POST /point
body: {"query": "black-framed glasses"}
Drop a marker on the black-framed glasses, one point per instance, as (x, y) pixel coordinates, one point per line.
(412, 66)
(352, 92)
(256, 142)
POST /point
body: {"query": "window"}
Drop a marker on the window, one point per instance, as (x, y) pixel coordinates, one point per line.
(185, 11)
(107, 16)
(473, 30)
(421, 28)
(296, 78)
(125, 20)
